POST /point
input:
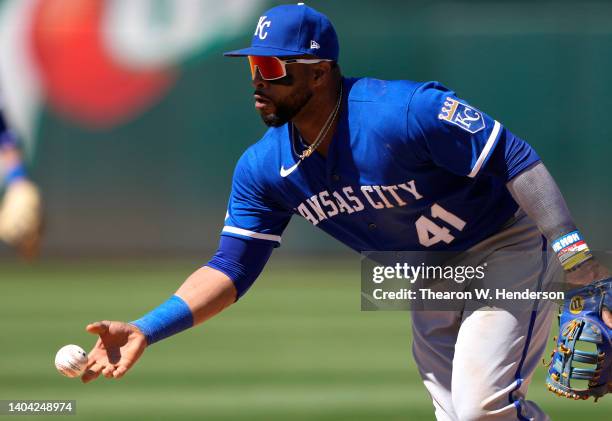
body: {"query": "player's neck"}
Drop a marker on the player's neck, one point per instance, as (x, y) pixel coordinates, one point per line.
(312, 118)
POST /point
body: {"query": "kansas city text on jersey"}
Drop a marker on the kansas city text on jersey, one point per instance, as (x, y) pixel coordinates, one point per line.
(325, 204)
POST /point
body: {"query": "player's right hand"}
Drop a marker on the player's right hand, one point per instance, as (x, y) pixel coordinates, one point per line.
(116, 351)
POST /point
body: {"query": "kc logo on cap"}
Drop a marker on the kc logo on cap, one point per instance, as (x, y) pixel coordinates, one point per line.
(260, 31)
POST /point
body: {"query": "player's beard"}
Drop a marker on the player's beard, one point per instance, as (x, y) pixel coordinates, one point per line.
(285, 110)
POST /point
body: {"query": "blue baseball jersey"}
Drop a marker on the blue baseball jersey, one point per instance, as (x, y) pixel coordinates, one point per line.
(410, 167)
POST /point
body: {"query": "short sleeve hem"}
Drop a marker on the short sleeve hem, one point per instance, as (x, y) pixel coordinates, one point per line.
(250, 235)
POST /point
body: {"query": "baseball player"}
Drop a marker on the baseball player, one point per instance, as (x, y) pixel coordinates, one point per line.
(20, 208)
(381, 165)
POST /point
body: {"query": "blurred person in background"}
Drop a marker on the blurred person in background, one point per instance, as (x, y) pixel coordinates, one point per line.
(20, 208)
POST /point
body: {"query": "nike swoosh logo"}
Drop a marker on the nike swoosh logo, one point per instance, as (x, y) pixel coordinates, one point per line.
(285, 172)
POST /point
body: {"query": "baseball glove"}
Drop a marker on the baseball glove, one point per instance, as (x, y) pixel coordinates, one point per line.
(21, 217)
(581, 327)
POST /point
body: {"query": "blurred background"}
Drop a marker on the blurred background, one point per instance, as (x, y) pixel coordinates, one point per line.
(132, 121)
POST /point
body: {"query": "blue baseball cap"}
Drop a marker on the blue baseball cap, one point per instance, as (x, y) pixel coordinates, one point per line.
(292, 30)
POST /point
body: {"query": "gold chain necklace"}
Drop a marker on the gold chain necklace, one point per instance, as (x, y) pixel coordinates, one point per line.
(323, 132)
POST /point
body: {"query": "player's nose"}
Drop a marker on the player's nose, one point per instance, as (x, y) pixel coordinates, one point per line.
(258, 81)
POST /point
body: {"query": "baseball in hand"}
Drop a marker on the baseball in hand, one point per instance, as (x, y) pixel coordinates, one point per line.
(71, 360)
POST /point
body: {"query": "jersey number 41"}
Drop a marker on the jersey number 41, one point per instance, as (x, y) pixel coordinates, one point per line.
(431, 233)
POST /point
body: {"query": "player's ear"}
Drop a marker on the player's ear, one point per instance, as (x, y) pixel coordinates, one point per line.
(320, 72)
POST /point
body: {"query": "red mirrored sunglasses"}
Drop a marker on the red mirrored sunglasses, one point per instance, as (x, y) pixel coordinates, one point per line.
(273, 68)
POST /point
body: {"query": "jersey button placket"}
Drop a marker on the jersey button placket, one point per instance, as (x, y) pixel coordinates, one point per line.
(372, 226)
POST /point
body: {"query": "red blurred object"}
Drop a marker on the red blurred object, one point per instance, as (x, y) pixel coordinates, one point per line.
(80, 77)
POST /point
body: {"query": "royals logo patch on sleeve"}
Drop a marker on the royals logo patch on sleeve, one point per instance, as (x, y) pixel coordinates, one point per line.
(462, 115)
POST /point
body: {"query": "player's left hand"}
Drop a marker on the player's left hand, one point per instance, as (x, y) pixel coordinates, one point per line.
(585, 321)
(118, 348)
(588, 272)
(21, 217)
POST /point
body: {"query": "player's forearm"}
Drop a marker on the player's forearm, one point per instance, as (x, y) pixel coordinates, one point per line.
(538, 194)
(207, 292)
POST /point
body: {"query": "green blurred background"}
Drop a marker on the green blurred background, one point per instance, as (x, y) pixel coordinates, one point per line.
(134, 207)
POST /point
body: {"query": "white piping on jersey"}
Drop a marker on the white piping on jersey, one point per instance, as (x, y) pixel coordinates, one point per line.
(251, 234)
(485, 152)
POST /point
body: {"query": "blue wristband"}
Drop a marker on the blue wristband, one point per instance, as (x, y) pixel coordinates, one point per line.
(16, 173)
(168, 319)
